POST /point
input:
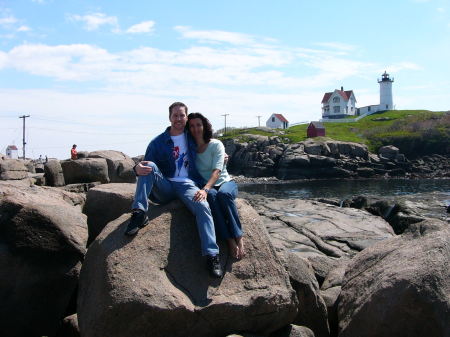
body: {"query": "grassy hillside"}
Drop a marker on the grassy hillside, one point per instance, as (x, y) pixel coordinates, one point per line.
(415, 132)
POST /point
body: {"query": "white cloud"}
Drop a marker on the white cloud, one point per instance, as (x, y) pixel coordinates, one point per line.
(215, 36)
(95, 21)
(143, 27)
(7, 21)
(336, 45)
(440, 10)
(23, 28)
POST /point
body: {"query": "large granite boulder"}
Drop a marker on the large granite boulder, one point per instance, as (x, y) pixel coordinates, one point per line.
(388, 152)
(105, 203)
(13, 169)
(42, 245)
(85, 170)
(156, 283)
(400, 287)
(312, 310)
(120, 166)
(53, 172)
(323, 234)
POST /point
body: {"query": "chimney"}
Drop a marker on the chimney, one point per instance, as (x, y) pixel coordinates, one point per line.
(342, 88)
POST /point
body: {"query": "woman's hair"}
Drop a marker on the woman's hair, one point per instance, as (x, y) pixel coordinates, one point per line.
(207, 127)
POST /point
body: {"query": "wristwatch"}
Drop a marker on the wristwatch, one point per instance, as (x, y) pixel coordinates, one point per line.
(206, 190)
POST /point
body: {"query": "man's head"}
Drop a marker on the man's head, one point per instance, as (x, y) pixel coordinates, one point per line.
(178, 105)
(74, 146)
(178, 118)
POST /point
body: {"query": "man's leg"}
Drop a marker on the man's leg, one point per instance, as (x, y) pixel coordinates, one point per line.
(205, 224)
(154, 184)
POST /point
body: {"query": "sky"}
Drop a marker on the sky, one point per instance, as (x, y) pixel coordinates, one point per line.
(102, 73)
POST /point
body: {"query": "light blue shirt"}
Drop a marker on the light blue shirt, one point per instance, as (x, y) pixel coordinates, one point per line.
(212, 158)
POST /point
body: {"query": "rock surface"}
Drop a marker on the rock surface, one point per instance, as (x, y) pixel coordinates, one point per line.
(156, 283)
(400, 287)
(85, 170)
(54, 175)
(325, 235)
(105, 203)
(262, 156)
(120, 166)
(42, 244)
(13, 169)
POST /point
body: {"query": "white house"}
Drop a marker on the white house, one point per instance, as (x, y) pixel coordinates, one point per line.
(338, 104)
(11, 152)
(277, 121)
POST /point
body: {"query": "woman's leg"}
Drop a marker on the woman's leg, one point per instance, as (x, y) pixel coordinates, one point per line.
(220, 223)
(226, 197)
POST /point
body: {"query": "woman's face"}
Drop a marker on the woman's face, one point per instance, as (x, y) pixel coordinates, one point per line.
(196, 128)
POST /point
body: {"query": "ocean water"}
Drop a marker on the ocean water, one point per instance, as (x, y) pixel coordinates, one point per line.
(345, 188)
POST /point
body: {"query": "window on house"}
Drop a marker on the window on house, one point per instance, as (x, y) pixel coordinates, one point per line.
(336, 100)
(387, 106)
(273, 119)
(336, 109)
(368, 108)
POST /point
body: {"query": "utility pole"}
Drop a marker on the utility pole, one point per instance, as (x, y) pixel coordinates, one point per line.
(225, 129)
(259, 117)
(23, 137)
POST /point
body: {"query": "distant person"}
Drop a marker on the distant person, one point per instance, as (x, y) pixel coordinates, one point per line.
(219, 189)
(168, 172)
(73, 152)
(46, 159)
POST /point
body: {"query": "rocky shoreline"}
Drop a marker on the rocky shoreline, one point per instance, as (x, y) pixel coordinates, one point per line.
(365, 266)
(263, 156)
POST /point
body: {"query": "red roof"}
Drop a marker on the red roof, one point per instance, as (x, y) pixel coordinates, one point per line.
(12, 147)
(344, 94)
(281, 118)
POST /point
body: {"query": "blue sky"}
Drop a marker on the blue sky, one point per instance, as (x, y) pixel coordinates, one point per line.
(101, 74)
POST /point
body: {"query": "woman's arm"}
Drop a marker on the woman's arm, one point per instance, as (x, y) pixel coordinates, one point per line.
(218, 155)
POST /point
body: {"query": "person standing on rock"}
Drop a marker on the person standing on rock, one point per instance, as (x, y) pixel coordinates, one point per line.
(73, 152)
(167, 172)
(219, 189)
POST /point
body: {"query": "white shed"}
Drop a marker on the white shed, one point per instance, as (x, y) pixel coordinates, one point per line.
(12, 152)
(277, 121)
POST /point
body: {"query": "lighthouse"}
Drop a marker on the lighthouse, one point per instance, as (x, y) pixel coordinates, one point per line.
(386, 102)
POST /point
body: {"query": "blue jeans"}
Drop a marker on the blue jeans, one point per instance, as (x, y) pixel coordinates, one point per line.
(162, 190)
(223, 207)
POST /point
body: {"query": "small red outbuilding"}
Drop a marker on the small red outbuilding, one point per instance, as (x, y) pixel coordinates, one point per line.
(315, 129)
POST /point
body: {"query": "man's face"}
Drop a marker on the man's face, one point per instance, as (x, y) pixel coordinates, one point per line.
(178, 119)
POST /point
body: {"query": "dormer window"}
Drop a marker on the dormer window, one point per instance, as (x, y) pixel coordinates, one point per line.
(336, 100)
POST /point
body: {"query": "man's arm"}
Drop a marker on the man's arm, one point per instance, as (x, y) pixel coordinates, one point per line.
(142, 168)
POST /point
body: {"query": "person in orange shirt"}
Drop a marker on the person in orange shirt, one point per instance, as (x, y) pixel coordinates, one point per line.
(73, 152)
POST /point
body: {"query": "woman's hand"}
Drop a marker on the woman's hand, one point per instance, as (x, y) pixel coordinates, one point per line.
(200, 195)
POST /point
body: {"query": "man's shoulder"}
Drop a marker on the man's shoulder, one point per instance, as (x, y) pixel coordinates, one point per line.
(161, 137)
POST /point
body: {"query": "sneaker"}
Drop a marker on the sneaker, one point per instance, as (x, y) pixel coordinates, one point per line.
(138, 220)
(213, 264)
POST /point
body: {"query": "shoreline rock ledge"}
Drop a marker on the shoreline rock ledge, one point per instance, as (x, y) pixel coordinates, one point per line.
(156, 284)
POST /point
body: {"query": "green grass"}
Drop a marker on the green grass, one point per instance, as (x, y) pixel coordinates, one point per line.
(377, 129)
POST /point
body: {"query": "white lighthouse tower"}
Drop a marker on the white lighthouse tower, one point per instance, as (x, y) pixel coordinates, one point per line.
(386, 102)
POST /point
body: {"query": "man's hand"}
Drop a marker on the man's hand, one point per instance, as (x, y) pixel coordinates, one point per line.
(142, 169)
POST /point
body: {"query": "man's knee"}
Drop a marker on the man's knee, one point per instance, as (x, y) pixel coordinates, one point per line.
(225, 195)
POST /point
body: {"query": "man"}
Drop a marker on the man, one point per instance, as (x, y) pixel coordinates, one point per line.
(167, 172)
(73, 152)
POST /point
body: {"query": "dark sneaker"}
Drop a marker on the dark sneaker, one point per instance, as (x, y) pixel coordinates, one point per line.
(213, 264)
(138, 220)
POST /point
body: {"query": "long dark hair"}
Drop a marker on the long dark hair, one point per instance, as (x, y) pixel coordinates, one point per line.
(207, 127)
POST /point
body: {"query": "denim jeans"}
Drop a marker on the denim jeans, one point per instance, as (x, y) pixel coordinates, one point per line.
(223, 207)
(162, 190)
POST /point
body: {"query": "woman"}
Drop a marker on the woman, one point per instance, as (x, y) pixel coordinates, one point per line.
(219, 190)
